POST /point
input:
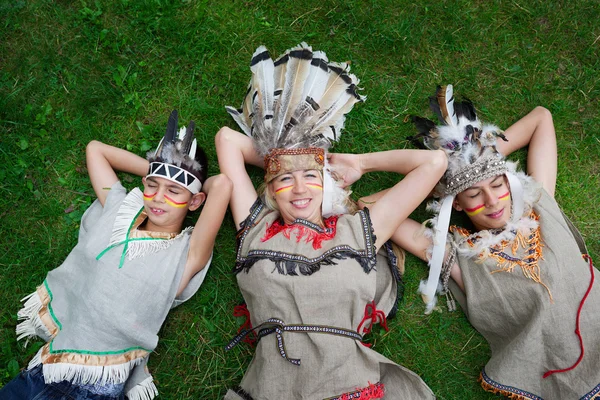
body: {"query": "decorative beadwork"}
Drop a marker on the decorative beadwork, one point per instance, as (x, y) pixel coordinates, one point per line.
(505, 390)
(506, 262)
(484, 168)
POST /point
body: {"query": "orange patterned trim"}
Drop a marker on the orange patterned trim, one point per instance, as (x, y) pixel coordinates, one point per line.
(506, 262)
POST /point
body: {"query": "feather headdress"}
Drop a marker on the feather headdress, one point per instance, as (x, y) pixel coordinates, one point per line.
(294, 109)
(472, 157)
(178, 157)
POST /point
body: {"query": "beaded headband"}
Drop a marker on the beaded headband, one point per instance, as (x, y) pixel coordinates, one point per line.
(175, 157)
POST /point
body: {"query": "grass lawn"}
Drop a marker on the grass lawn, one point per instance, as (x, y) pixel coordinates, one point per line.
(73, 71)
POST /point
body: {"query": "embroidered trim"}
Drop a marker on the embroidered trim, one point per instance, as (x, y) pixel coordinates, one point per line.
(393, 264)
(529, 264)
(593, 394)
(508, 391)
(277, 326)
(373, 391)
(314, 233)
(289, 264)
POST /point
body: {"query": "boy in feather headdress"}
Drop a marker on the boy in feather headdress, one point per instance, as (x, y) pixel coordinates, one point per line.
(101, 310)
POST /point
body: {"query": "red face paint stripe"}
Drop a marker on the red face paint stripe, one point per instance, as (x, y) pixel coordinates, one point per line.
(474, 208)
(283, 188)
(174, 202)
(504, 196)
(149, 196)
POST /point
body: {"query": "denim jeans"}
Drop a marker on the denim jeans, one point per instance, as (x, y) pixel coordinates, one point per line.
(29, 385)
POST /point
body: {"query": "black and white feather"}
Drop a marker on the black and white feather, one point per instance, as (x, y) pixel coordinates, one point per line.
(298, 100)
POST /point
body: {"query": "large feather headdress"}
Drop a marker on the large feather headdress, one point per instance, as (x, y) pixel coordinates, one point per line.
(294, 110)
(472, 157)
(178, 157)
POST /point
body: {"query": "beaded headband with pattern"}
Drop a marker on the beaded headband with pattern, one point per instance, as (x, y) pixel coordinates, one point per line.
(294, 110)
(472, 157)
(175, 157)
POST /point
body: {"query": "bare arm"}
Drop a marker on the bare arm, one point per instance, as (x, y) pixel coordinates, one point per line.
(422, 169)
(104, 160)
(218, 191)
(536, 129)
(409, 236)
(234, 150)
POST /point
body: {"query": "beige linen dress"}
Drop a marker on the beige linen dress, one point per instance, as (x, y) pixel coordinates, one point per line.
(530, 321)
(304, 275)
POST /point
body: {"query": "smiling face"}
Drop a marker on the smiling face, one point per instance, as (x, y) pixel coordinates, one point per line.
(298, 194)
(166, 203)
(487, 203)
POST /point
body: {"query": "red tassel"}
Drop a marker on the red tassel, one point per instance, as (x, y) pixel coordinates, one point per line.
(373, 315)
(242, 311)
(577, 331)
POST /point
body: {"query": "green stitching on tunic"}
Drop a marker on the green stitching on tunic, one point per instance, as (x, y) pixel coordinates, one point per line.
(56, 321)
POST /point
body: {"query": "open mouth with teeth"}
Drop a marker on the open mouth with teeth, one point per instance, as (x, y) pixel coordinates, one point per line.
(301, 203)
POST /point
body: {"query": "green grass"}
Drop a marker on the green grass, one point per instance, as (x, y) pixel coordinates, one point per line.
(73, 71)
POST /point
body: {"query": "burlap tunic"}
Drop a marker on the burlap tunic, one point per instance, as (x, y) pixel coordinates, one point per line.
(328, 283)
(528, 333)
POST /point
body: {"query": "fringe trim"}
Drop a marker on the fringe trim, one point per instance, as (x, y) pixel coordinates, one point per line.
(290, 267)
(129, 209)
(140, 248)
(83, 374)
(126, 216)
(145, 390)
(31, 322)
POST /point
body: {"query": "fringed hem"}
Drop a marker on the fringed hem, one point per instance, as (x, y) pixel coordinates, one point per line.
(83, 374)
(31, 325)
(510, 392)
(145, 390)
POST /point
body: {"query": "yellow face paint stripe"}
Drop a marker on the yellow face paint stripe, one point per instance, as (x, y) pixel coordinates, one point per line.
(315, 185)
(175, 204)
(504, 196)
(284, 189)
(475, 210)
(149, 196)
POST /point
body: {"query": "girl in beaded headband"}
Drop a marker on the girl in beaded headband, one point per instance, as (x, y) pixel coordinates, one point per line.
(314, 283)
(520, 275)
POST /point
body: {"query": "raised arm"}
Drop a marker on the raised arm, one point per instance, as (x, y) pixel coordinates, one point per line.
(536, 129)
(422, 169)
(217, 190)
(234, 150)
(104, 160)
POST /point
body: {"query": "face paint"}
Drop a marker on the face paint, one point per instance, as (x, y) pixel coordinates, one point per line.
(173, 203)
(475, 210)
(284, 189)
(315, 186)
(504, 196)
(169, 201)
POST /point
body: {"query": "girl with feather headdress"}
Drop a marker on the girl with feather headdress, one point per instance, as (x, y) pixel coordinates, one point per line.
(101, 310)
(522, 274)
(315, 278)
